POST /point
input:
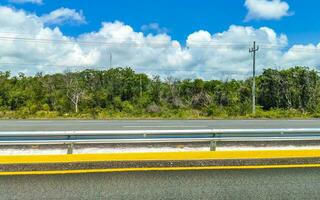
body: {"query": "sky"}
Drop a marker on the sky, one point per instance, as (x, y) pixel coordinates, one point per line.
(191, 39)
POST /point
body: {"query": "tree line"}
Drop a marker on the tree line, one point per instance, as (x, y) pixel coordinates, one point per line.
(123, 93)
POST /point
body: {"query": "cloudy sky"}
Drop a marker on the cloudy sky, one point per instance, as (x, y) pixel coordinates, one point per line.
(203, 38)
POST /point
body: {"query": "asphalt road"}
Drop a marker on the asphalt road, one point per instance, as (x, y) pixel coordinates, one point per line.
(220, 184)
(34, 125)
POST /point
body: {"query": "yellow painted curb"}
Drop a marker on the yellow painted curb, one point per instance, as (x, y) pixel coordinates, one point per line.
(157, 169)
(160, 156)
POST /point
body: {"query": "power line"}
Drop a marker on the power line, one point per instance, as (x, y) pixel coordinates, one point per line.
(131, 42)
(135, 43)
(134, 68)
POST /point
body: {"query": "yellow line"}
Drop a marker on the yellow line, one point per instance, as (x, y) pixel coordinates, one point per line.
(159, 156)
(157, 169)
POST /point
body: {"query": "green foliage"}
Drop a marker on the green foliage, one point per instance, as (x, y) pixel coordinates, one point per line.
(295, 88)
(123, 93)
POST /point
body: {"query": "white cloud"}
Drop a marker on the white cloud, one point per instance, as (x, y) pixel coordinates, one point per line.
(229, 57)
(64, 15)
(26, 1)
(211, 56)
(266, 9)
(41, 52)
(154, 28)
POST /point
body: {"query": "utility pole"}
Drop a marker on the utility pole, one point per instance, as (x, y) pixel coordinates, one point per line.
(110, 60)
(140, 86)
(253, 50)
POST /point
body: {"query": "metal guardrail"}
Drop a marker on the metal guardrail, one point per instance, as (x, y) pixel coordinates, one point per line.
(212, 136)
(154, 132)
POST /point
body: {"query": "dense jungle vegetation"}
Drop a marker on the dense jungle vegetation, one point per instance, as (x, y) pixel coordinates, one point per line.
(122, 93)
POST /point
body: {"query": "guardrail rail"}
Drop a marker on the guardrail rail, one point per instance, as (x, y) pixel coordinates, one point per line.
(212, 136)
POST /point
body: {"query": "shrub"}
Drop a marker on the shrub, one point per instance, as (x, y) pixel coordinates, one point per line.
(153, 108)
(127, 107)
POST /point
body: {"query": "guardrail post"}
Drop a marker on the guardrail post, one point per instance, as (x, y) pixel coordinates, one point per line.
(213, 146)
(70, 148)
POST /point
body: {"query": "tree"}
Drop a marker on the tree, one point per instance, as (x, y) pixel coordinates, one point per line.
(200, 97)
(122, 90)
(172, 93)
(75, 89)
(155, 92)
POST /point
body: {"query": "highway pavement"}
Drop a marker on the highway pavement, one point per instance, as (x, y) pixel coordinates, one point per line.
(207, 184)
(302, 183)
(41, 125)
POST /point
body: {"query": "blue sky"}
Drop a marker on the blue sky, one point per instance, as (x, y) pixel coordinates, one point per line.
(181, 19)
(289, 29)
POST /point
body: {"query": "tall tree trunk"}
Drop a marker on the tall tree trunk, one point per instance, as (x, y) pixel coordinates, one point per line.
(76, 107)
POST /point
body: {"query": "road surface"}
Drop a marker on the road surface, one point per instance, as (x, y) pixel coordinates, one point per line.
(220, 184)
(213, 184)
(34, 125)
